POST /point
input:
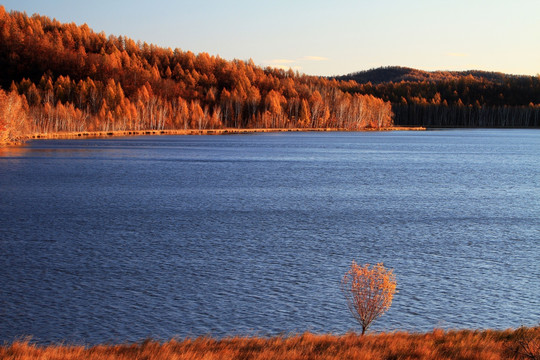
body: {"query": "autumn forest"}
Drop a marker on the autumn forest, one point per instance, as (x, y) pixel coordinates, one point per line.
(66, 78)
(63, 77)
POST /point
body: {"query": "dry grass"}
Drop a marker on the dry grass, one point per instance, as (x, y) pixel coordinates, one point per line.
(464, 344)
(122, 133)
(94, 134)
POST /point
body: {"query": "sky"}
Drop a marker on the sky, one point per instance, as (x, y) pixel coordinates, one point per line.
(324, 38)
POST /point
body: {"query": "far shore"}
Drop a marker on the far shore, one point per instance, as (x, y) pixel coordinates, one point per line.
(226, 131)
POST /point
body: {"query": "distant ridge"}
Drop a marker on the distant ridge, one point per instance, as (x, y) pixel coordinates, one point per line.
(451, 98)
(406, 74)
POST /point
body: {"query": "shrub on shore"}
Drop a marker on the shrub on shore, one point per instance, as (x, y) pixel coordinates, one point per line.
(369, 291)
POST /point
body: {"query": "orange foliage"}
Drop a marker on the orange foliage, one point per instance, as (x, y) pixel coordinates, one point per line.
(14, 122)
(436, 345)
(75, 78)
(369, 291)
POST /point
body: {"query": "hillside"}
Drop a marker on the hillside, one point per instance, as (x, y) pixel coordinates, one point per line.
(66, 77)
(398, 74)
(451, 99)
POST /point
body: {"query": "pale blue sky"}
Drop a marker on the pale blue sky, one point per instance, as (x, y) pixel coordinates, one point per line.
(324, 37)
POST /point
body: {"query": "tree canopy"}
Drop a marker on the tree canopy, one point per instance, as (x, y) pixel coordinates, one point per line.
(450, 98)
(74, 79)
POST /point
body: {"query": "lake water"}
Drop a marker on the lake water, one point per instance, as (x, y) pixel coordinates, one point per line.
(117, 240)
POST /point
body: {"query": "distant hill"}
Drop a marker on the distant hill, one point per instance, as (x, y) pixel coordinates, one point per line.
(399, 73)
(451, 98)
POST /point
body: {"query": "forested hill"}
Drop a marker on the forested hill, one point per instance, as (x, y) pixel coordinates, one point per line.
(64, 77)
(399, 73)
(452, 99)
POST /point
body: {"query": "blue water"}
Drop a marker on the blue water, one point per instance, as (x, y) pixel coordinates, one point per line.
(117, 240)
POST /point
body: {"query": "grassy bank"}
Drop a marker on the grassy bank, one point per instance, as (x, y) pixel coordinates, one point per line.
(523, 343)
(227, 131)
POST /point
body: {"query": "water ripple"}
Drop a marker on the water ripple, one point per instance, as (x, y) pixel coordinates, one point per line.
(121, 239)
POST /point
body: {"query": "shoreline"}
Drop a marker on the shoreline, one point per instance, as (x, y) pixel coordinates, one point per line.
(520, 343)
(225, 131)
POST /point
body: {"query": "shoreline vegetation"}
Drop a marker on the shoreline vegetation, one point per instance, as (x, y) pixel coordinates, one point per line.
(226, 131)
(521, 343)
(59, 77)
(464, 99)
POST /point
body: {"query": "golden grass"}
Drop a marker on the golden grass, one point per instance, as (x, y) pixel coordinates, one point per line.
(438, 344)
(93, 134)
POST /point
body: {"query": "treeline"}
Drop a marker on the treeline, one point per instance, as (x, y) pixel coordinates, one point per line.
(433, 115)
(398, 74)
(73, 79)
(453, 99)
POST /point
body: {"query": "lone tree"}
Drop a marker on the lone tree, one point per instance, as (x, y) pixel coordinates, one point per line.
(369, 291)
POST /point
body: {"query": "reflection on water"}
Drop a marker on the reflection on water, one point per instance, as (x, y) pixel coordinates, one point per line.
(13, 151)
(120, 239)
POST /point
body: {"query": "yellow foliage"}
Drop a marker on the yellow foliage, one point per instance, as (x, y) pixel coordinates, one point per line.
(369, 291)
(14, 122)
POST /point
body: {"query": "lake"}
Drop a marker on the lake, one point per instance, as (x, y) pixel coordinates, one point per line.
(117, 240)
